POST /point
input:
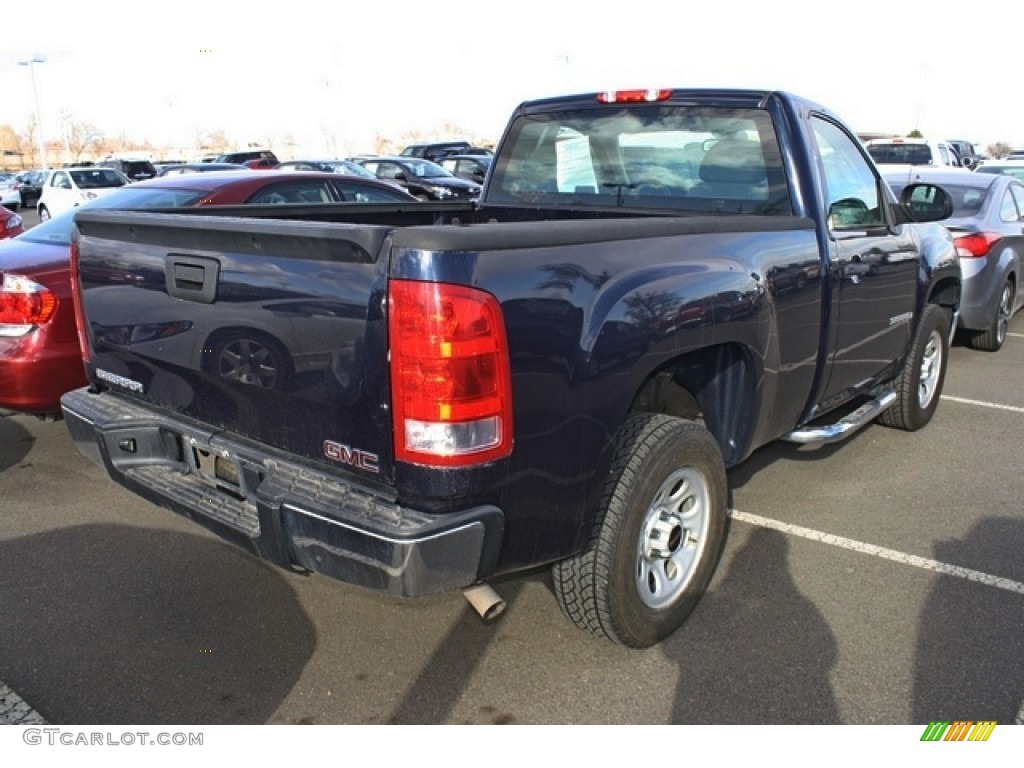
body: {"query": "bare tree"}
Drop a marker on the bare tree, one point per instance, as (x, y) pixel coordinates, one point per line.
(30, 143)
(10, 148)
(80, 137)
(211, 141)
(999, 150)
(382, 145)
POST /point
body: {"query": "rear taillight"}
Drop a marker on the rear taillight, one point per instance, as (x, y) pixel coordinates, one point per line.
(76, 299)
(976, 244)
(450, 379)
(24, 305)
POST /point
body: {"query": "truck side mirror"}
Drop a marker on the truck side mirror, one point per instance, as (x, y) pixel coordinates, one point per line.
(925, 202)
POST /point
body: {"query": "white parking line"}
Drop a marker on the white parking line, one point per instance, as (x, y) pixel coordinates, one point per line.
(886, 554)
(983, 404)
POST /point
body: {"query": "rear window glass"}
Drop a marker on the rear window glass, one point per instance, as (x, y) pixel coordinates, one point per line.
(967, 200)
(686, 158)
(137, 168)
(97, 178)
(913, 154)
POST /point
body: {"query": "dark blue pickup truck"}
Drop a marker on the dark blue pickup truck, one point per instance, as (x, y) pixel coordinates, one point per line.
(426, 397)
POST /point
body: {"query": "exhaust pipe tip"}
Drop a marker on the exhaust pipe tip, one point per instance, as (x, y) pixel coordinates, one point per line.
(487, 603)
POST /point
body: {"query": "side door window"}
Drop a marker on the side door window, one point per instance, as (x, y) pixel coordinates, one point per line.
(1017, 190)
(365, 193)
(852, 199)
(1008, 209)
(312, 191)
(388, 171)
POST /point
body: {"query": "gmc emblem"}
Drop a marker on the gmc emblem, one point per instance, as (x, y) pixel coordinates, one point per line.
(351, 456)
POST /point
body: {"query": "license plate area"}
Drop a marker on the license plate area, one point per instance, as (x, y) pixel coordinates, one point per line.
(216, 467)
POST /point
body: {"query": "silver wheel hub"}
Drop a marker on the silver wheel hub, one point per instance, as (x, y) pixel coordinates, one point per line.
(672, 538)
(931, 367)
(1003, 318)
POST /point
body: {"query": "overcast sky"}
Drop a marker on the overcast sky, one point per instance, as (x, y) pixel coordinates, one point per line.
(344, 72)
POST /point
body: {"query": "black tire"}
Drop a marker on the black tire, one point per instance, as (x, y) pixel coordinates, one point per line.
(919, 385)
(44, 213)
(992, 338)
(658, 536)
(249, 357)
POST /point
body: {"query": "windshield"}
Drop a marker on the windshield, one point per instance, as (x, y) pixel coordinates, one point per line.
(351, 169)
(57, 231)
(97, 178)
(904, 154)
(424, 169)
(687, 158)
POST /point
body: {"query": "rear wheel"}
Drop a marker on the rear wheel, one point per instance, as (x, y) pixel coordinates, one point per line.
(658, 537)
(44, 213)
(991, 339)
(920, 383)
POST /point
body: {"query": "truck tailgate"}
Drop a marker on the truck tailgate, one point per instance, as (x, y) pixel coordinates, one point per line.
(259, 328)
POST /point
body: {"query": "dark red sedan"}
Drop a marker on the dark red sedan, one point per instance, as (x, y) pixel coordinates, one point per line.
(39, 354)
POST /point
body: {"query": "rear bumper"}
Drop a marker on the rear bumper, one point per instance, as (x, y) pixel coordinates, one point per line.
(288, 513)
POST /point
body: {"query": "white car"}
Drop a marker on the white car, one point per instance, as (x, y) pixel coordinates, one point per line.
(10, 197)
(68, 188)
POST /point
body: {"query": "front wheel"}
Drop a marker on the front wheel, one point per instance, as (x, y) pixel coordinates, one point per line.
(920, 382)
(658, 537)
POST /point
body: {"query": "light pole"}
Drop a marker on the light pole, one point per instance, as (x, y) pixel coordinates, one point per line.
(31, 64)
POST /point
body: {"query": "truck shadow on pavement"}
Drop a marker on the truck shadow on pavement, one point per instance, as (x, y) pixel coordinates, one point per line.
(127, 625)
(969, 663)
(740, 660)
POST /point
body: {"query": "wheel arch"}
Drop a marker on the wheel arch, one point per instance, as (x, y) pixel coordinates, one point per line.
(714, 385)
(946, 294)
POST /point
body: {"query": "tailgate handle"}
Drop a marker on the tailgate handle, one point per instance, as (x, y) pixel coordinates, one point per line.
(192, 278)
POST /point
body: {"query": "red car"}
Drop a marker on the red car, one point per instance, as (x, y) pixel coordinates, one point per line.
(10, 223)
(39, 354)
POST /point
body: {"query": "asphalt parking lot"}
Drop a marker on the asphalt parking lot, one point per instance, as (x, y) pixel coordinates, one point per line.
(878, 581)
